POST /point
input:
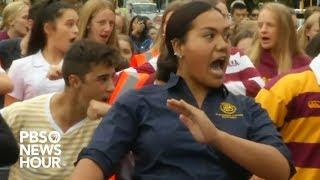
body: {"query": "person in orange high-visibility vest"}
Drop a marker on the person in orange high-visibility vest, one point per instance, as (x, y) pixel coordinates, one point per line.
(130, 80)
(140, 59)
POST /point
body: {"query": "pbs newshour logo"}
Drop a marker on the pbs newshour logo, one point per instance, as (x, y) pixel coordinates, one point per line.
(40, 149)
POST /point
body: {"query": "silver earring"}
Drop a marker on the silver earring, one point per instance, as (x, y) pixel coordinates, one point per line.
(178, 55)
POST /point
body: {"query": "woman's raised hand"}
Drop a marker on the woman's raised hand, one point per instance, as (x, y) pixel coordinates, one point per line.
(198, 123)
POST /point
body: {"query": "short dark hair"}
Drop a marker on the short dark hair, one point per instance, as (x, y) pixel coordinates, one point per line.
(49, 11)
(237, 5)
(84, 54)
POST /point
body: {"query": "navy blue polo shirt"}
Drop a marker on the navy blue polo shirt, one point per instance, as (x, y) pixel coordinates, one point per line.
(163, 147)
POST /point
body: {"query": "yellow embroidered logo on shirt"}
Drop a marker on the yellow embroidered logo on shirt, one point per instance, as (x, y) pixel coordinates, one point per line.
(314, 104)
(228, 111)
(228, 108)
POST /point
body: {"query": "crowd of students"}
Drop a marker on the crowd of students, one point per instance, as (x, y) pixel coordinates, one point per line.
(204, 94)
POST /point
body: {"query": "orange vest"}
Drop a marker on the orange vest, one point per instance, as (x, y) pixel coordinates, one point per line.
(127, 81)
(130, 80)
(140, 59)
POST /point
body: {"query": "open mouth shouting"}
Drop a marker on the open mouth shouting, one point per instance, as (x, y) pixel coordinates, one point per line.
(104, 37)
(218, 66)
(73, 39)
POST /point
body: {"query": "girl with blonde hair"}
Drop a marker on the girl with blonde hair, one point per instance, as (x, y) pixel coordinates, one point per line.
(15, 20)
(275, 48)
(309, 29)
(97, 22)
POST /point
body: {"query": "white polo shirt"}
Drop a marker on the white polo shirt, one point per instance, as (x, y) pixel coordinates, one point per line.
(29, 77)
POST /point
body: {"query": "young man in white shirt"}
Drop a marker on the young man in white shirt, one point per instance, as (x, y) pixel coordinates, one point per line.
(59, 120)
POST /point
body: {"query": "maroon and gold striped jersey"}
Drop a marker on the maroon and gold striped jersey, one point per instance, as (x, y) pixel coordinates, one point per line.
(293, 103)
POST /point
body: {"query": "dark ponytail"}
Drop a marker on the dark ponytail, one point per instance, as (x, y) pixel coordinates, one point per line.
(166, 65)
(177, 27)
(48, 11)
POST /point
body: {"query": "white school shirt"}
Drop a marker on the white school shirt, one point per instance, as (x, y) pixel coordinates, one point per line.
(29, 77)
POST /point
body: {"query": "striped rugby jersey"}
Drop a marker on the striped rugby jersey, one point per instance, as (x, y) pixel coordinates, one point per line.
(293, 103)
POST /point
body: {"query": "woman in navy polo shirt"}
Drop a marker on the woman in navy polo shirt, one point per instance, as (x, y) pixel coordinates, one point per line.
(146, 121)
